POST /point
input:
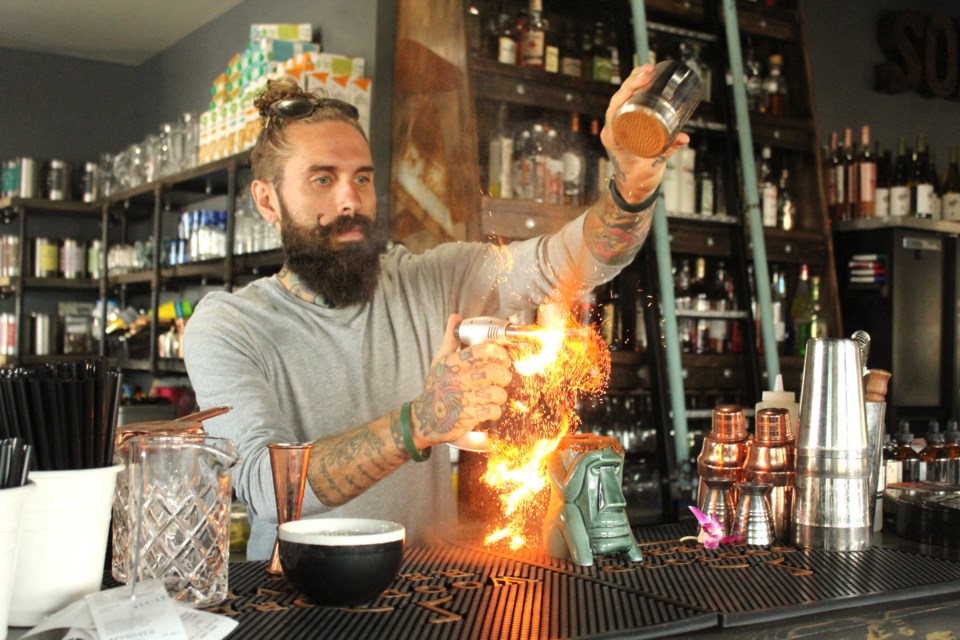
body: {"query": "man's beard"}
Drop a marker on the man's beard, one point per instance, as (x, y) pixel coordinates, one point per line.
(341, 274)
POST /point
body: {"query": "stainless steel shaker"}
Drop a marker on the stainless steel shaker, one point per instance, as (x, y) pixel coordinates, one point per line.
(832, 493)
(753, 522)
(771, 460)
(724, 449)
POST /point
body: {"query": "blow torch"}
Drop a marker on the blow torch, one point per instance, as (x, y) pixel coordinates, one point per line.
(487, 329)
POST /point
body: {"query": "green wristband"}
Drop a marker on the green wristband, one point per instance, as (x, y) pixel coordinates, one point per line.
(623, 205)
(406, 432)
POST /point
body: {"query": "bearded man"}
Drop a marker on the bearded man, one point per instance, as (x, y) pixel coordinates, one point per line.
(351, 348)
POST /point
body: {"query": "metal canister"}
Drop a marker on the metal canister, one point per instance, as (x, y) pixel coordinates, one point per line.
(91, 182)
(58, 180)
(46, 258)
(94, 258)
(29, 178)
(73, 259)
(8, 334)
(771, 459)
(9, 256)
(724, 448)
(41, 333)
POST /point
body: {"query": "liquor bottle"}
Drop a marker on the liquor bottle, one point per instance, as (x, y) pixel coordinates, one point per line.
(474, 28)
(586, 54)
(570, 62)
(786, 208)
(522, 168)
(882, 204)
(718, 328)
(684, 301)
(800, 309)
(574, 164)
(768, 189)
(705, 200)
(551, 48)
(700, 294)
(951, 442)
(554, 168)
(851, 188)
(899, 187)
(690, 55)
(921, 181)
(686, 168)
(815, 323)
(533, 37)
(499, 182)
(830, 159)
(538, 161)
(601, 66)
(950, 207)
(935, 178)
(774, 95)
(778, 302)
(868, 176)
(753, 77)
(506, 37)
(598, 165)
(611, 328)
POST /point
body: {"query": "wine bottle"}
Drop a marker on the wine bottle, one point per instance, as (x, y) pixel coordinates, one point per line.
(921, 181)
(570, 62)
(800, 308)
(851, 188)
(601, 66)
(506, 37)
(719, 338)
(868, 176)
(786, 208)
(899, 188)
(768, 189)
(833, 186)
(574, 164)
(753, 77)
(533, 37)
(882, 204)
(774, 95)
(950, 207)
(705, 205)
(700, 293)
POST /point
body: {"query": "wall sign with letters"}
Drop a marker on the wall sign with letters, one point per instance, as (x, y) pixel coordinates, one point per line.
(922, 54)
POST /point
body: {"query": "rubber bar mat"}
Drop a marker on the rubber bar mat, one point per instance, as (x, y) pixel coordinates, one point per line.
(458, 593)
(748, 585)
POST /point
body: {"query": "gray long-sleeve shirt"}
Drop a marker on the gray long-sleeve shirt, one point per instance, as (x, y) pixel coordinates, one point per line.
(295, 371)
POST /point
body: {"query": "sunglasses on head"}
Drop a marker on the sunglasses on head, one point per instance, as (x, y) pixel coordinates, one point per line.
(303, 106)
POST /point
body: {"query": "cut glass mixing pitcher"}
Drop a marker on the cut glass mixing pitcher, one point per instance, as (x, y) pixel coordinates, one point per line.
(180, 526)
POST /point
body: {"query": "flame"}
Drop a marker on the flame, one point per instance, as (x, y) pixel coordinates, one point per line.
(565, 361)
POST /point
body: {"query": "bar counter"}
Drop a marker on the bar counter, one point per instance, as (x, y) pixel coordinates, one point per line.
(462, 590)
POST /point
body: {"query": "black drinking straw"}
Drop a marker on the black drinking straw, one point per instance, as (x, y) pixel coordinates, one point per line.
(43, 457)
(58, 440)
(9, 416)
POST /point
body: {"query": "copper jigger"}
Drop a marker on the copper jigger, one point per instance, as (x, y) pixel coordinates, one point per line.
(288, 462)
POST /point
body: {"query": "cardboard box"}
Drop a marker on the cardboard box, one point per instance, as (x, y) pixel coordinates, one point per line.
(302, 32)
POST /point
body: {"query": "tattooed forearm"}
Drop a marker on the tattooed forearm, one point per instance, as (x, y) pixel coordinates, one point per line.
(614, 236)
(344, 466)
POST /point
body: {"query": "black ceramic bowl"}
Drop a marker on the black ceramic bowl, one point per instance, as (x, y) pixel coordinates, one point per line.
(341, 561)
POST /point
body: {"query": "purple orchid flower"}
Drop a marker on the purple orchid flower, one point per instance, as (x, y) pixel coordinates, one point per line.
(711, 531)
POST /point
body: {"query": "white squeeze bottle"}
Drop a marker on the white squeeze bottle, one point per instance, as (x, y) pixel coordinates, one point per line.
(783, 399)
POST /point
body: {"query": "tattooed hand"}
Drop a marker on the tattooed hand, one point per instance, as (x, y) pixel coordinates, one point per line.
(636, 177)
(464, 388)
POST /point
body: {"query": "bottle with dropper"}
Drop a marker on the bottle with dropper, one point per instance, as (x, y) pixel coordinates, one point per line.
(779, 398)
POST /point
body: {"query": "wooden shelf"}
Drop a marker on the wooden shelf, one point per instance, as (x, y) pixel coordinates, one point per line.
(11, 205)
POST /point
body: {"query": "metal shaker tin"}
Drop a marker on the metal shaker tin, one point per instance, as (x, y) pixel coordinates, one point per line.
(91, 182)
(29, 178)
(46, 258)
(724, 448)
(73, 258)
(58, 180)
(41, 333)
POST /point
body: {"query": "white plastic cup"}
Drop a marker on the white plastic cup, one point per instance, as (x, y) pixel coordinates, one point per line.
(11, 508)
(63, 541)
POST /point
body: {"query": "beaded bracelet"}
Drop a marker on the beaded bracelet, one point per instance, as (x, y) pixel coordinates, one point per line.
(407, 434)
(623, 205)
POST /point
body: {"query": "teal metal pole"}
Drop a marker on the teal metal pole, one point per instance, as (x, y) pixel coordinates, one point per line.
(661, 239)
(759, 247)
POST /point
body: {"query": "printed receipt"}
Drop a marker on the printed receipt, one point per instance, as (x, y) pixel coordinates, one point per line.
(152, 615)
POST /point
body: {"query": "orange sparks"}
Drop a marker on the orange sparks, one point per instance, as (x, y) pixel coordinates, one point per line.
(565, 361)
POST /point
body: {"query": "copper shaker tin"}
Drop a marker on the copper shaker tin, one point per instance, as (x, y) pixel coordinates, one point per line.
(724, 448)
(772, 459)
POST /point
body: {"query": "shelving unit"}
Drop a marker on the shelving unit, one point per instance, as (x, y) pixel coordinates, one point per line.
(530, 94)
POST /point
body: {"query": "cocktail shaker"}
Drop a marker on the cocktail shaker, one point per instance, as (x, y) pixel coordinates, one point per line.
(646, 124)
(831, 509)
(724, 449)
(771, 460)
(753, 522)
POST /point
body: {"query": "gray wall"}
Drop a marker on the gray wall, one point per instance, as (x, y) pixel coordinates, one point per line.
(56, 107)
(64, 107)
(843, 49)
